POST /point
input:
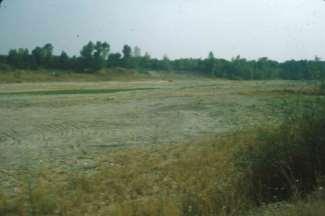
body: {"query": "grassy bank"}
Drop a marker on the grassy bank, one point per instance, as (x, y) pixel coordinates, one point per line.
(109, 74)
(18, 76)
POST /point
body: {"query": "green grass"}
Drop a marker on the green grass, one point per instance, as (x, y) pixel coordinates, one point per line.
(71, 92)
(43, 75)
(110, 74)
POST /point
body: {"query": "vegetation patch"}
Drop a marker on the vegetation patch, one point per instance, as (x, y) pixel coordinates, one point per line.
(223, 175)
(244, 171)
(288, 161)
(286, 92)
(72, 91)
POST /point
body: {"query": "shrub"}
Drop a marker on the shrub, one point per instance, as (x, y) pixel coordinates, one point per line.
(322, 87)
(289, 160)
(5, 67)
(306, 207)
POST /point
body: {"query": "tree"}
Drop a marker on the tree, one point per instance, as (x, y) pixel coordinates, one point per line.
(127, 50)
(12, 57)
(36, 56)
(19, 58)
(94, 56)
(87, 50)
(64, 61)
(48, 50)
(211, 55)
(100, 55)
(147, 55)
(146, 60)
(166, 63)
(114, 60)
(208, 65)
(42, 56)
(47, 55)
(86, 55)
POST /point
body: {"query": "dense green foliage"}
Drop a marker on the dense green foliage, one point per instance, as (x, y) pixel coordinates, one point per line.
(288, 161)
(96, 56)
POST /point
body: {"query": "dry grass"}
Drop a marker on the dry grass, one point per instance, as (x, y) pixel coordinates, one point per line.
(56, 123)
(187, 179)
(191, 179)
(56, 134)
(199, 178)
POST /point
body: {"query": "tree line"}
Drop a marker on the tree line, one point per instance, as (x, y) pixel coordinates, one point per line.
(97, 56)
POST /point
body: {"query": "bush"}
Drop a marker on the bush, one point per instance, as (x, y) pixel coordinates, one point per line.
(289, 160)
(322, 87)
(306, 207)
(5, 67)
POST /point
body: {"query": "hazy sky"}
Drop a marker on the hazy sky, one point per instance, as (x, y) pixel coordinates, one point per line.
(278, 29)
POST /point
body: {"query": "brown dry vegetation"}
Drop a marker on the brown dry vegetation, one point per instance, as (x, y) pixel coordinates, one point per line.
(199, 178)
(185, 179)
(213, 175)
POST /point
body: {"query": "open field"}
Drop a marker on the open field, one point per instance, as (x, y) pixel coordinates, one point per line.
(140, 130)
(69, 123)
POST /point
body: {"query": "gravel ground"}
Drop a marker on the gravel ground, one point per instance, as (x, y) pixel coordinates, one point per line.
(69, 130)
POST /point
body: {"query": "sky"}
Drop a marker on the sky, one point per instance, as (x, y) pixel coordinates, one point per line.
(277, 29)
